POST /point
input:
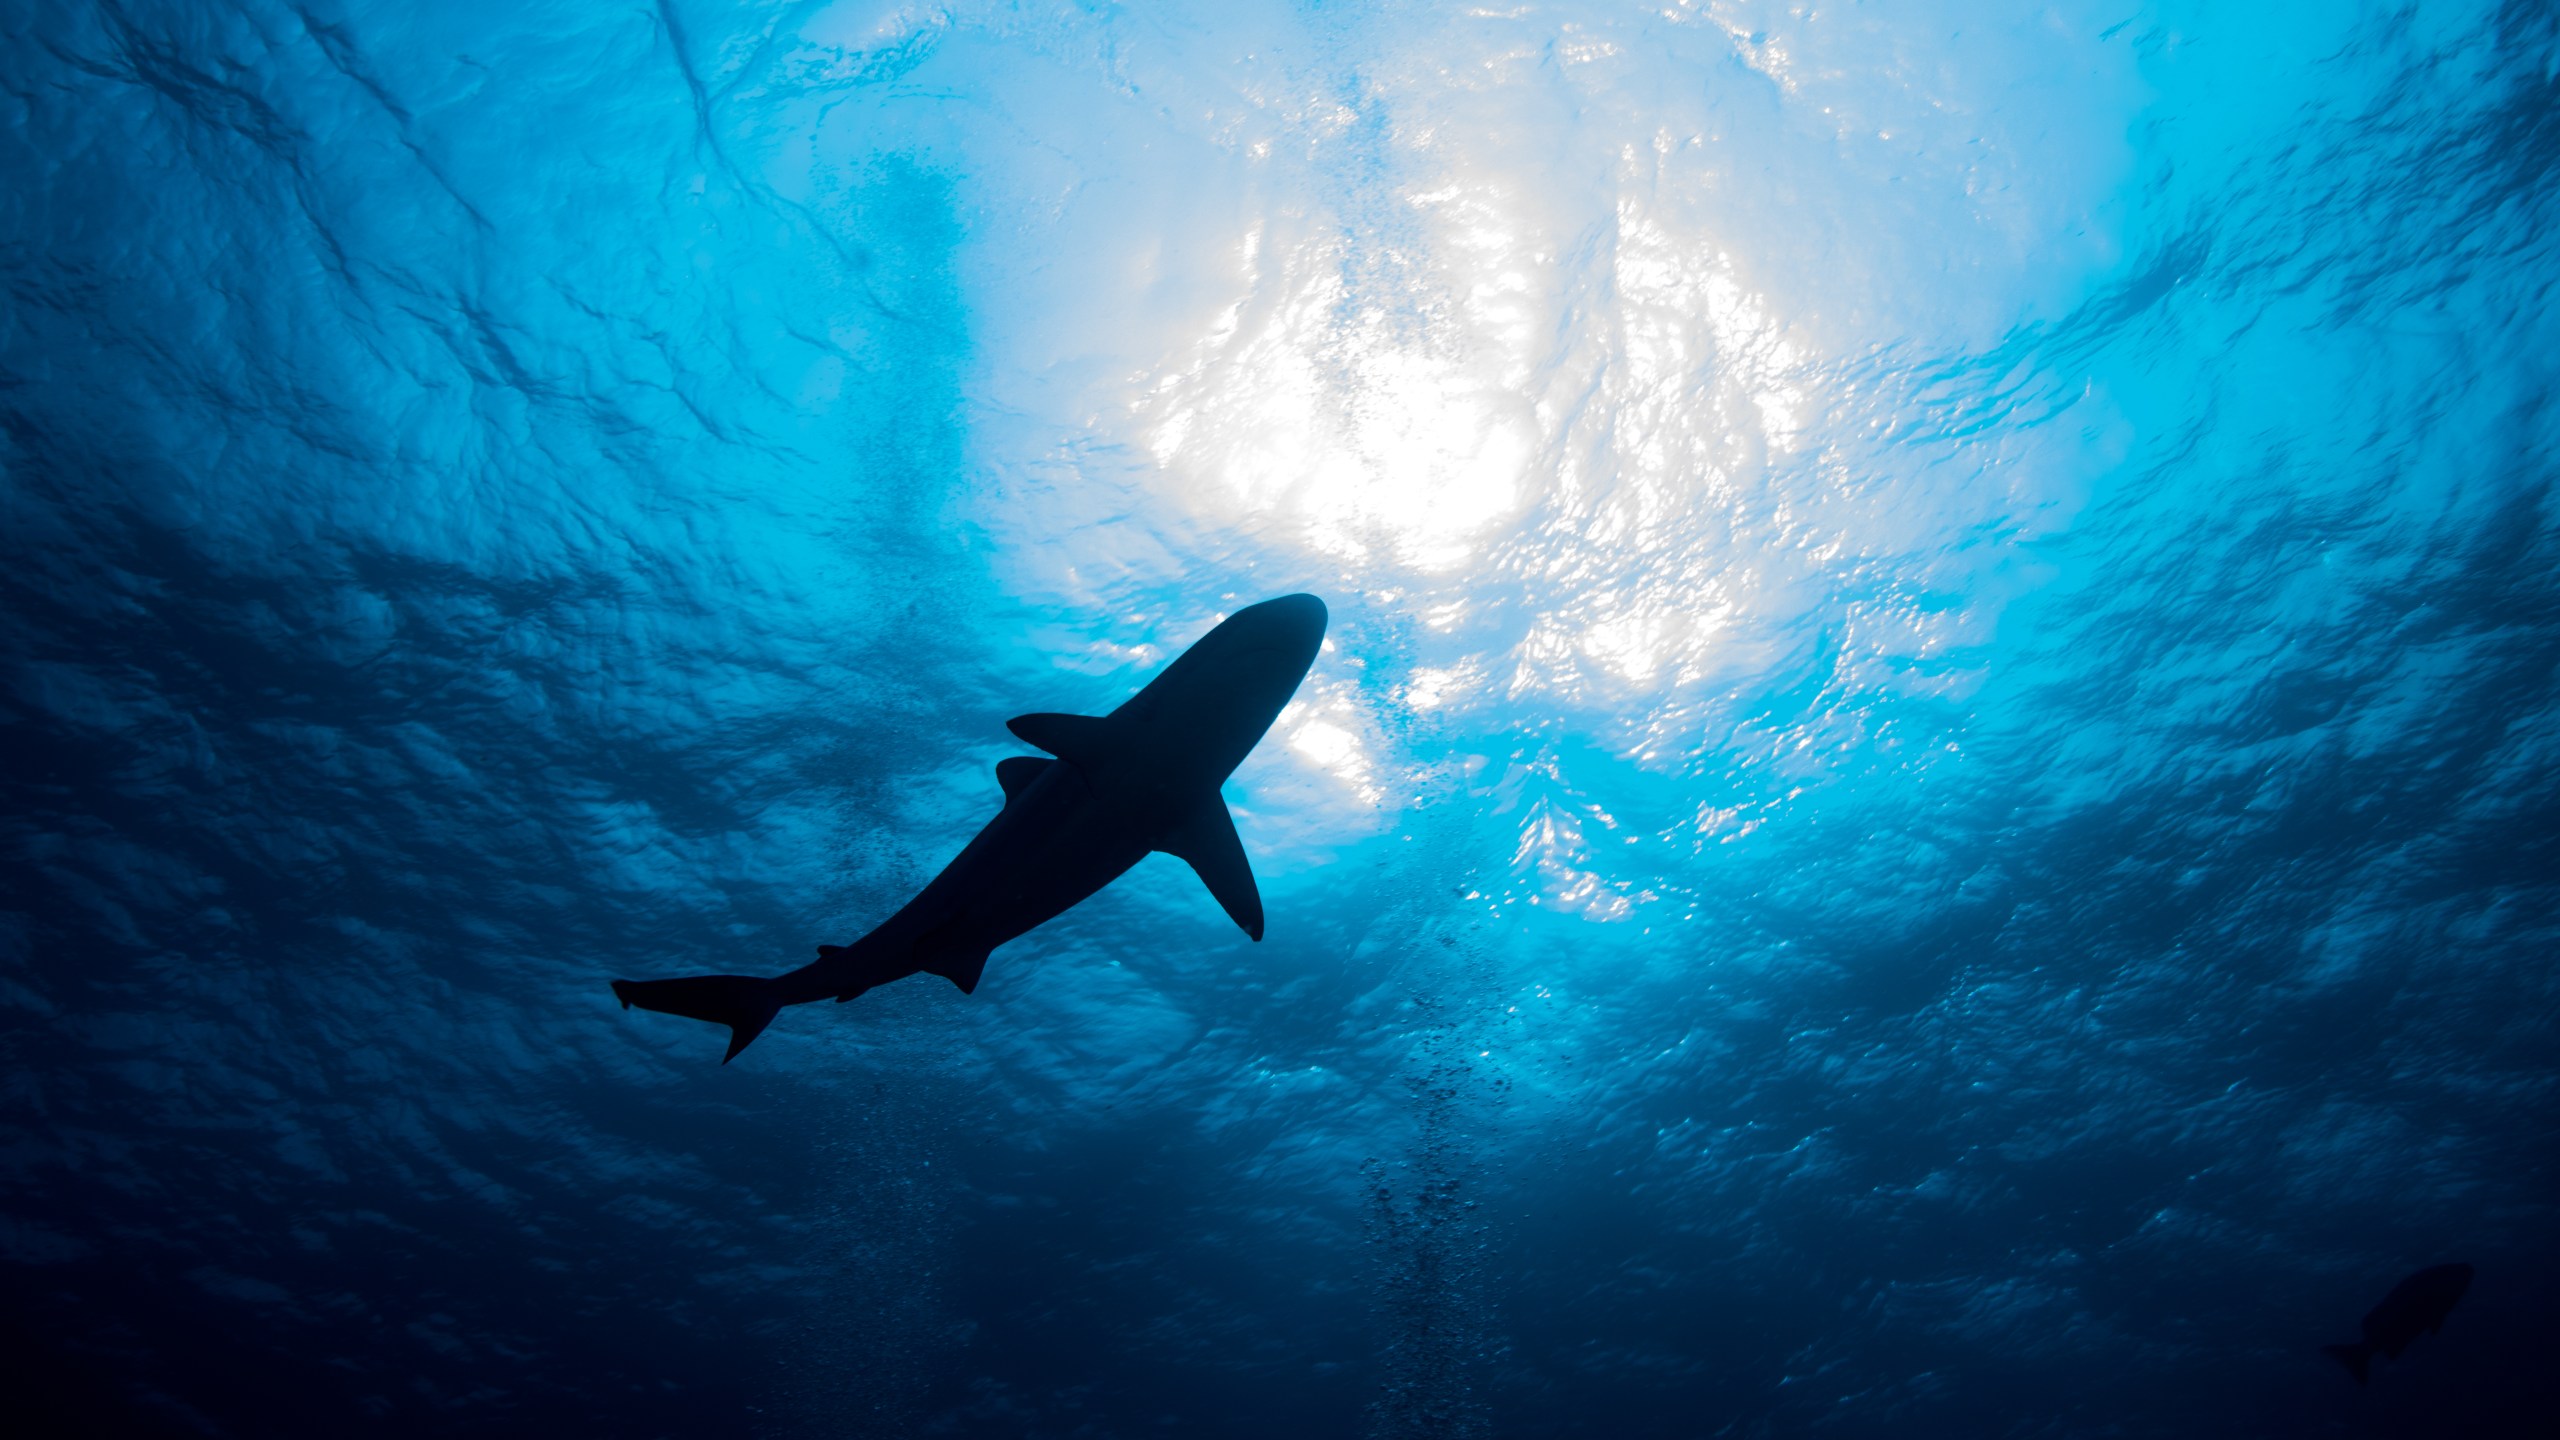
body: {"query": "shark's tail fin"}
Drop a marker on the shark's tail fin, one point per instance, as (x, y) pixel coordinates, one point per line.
(2358, 1358)
(744, 1003)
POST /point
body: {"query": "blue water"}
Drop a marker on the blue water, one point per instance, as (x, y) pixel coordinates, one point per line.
(1932, 808)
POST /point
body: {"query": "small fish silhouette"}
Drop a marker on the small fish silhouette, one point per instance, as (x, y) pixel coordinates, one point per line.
(2418, 1303)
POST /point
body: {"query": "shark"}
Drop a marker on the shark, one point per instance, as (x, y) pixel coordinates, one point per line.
(1107, 791)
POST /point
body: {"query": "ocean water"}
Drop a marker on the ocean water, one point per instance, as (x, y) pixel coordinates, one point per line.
(1933, 807)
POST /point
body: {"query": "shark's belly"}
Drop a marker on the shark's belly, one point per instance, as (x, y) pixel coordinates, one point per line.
(1042, 896)
(1049, 850)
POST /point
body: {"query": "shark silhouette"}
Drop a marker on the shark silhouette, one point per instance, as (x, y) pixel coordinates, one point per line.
(1143, 778)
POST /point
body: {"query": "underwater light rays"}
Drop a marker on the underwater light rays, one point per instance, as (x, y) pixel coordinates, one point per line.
(1536, 360)
(1533, 381)
(1559, 426)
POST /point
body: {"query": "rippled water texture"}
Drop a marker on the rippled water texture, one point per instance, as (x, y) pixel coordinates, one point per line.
(1930, 811)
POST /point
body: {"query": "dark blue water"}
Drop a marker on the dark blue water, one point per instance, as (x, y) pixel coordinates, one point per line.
(1934, 806)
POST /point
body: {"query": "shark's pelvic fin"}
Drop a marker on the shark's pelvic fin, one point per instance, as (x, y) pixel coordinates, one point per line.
(1080, 739)
(1016, 772)
(961, 968)
(1206, 840)
(744, 1003)
(948, 952)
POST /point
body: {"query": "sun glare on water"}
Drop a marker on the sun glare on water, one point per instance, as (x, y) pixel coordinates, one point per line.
(1541, 371)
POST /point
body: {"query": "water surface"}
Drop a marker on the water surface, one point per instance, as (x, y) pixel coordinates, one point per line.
(1931, 809)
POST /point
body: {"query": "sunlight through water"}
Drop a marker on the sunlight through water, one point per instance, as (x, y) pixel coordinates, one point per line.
(1516, 328)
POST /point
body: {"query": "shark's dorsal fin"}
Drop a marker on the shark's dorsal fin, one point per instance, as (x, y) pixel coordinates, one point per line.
(1081, 739)
(1206, 840)
(1016, 772)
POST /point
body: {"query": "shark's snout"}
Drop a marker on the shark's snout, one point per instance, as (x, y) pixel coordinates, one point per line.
(1291, 623)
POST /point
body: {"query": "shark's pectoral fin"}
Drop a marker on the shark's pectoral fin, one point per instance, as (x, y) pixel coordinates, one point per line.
(1082, 739)
(1206, 841)
(1016, 772)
